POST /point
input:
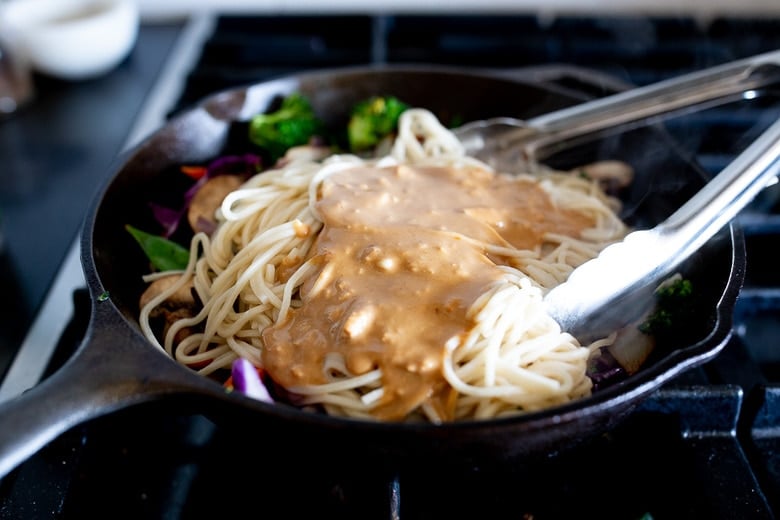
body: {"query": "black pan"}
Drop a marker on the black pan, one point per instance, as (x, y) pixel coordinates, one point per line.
(116, 368)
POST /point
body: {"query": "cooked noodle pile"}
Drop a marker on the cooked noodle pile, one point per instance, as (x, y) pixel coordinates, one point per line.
(510, 358)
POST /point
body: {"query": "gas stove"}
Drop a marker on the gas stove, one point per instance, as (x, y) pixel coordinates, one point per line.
(707, 445)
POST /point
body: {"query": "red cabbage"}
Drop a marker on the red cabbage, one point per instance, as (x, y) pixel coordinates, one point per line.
(247, 381)
(169, 219)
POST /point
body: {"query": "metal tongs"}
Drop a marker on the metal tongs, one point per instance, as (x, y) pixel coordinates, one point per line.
(510, 144)
(610, 291)
(624, 276)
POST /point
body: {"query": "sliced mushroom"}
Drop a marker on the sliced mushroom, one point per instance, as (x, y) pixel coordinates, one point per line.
(203, 208)
(611, 175)
(181, 304)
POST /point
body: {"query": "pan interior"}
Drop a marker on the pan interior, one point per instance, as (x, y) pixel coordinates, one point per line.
(664, 178)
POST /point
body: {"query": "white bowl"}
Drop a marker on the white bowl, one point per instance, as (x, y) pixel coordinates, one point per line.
(70, 39)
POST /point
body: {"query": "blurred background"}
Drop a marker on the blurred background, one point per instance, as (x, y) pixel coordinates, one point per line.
(703, 8)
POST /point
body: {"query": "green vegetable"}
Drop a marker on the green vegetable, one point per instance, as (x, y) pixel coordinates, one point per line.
(373, 120)
(164, 254)
(294, 124)
(672, 306)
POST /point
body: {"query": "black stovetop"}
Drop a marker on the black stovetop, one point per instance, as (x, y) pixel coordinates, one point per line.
(705, 446)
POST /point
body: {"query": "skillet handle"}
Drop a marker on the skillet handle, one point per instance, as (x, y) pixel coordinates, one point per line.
(113, 368)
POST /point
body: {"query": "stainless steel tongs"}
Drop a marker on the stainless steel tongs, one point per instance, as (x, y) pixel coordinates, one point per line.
(511, 144)
(609, 291)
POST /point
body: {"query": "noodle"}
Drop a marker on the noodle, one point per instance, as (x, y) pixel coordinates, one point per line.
(260, 267)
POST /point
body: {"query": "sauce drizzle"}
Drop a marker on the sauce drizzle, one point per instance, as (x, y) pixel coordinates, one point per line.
(401, 259)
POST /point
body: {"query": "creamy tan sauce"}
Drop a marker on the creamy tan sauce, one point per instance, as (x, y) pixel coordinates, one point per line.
(396, 275)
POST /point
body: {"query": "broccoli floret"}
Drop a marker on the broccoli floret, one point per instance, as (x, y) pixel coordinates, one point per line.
(678, 289)
(373, 120)
(294, 124)
(672, 305)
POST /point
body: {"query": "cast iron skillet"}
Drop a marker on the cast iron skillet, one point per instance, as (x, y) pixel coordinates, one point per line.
(116, 368)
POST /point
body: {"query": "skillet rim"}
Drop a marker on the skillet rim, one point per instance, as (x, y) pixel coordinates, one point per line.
(620, 396)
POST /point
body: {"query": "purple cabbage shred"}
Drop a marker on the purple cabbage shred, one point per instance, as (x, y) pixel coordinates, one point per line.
(247, 381)
(169, 218)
